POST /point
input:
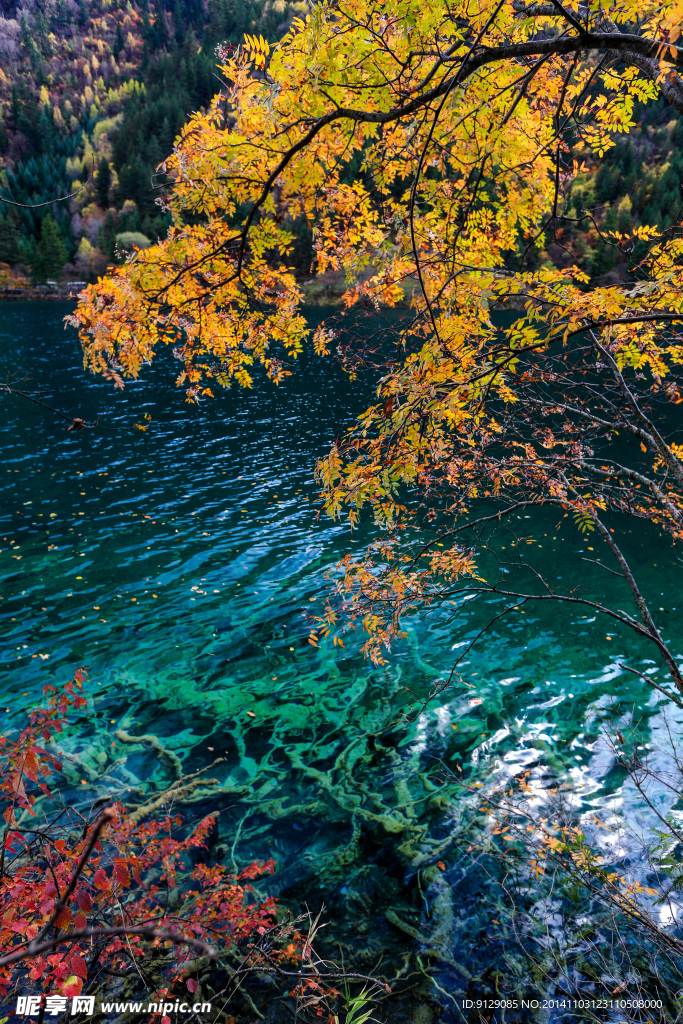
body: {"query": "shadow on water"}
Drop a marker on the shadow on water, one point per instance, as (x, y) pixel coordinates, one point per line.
(185, 564)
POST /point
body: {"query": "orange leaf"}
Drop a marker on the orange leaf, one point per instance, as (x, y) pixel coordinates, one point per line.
(63, 920)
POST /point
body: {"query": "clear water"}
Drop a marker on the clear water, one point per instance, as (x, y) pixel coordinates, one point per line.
(185, 565)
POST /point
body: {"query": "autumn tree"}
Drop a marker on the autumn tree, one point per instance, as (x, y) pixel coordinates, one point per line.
(431, 149)
(94, 900)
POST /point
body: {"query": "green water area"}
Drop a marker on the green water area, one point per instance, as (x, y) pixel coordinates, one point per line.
(185, 563)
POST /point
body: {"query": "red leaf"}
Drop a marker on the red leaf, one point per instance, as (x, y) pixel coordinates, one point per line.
(77, 965)
(121, 872)
(80, 920)
(191, 985)
(83, 900)
(72, 987)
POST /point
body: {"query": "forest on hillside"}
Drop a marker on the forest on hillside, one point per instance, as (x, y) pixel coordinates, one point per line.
(92, 95)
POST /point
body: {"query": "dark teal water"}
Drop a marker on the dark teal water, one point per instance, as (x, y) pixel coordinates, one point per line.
(185, 565)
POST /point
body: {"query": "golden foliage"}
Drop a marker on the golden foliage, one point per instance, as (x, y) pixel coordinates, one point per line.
(457, 120)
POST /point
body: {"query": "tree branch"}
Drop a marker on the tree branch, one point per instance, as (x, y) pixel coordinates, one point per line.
(107, 815)
(624, 43)
(144, 931)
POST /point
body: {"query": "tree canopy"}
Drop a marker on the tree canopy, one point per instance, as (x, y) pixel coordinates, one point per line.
(432, 149)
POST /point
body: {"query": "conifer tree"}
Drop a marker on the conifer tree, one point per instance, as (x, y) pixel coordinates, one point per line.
(103, 182)
(118, 41)
(10, 236)
(51, 254)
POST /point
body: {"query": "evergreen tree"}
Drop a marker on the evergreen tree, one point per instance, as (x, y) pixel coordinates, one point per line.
(28, 42)
(103, 182)
(118, 44)
(10, 237)
(606, 184)
(106, 236)
(51, 252)
(158, 35)
(25, 114)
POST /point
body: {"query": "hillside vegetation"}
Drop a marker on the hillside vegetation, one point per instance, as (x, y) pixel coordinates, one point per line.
(92, 95)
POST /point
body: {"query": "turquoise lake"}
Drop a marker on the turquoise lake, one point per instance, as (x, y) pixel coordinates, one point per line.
(185, 564)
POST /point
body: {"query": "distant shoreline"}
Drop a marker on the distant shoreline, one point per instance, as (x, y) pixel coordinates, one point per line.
(14, 290)
(323, 290)
(36, 295)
